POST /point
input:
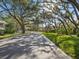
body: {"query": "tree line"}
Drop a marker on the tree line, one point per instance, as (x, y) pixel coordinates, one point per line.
(61, 16)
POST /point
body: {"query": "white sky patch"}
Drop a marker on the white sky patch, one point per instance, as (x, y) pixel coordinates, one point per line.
(46, 7)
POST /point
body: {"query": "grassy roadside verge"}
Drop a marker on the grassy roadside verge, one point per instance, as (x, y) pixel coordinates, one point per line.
(69, 44)
(8, 35)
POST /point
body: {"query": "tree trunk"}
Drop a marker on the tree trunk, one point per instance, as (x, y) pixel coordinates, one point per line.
(64, 26)
(23, 28)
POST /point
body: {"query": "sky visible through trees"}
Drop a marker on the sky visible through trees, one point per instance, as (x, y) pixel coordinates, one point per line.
(54, 14)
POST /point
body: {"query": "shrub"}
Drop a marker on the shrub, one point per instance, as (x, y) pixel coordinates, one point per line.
(10, 28)
(2, 32)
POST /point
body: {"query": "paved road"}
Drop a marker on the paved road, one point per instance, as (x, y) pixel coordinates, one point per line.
(33, 46)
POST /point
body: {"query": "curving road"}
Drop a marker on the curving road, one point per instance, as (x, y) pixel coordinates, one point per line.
(32, 46)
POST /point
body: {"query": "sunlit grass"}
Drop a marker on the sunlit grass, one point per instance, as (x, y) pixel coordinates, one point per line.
(8, 35)
(69, 44)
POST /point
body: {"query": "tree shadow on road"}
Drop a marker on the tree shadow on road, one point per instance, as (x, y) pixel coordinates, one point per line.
(10, 51)
(15, 50)
(30, 48)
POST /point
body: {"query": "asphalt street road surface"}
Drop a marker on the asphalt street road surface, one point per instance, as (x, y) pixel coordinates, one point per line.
(33, 46)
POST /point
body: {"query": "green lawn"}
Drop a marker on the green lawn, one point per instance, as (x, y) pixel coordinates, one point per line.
(8, 35)
(69, 44)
